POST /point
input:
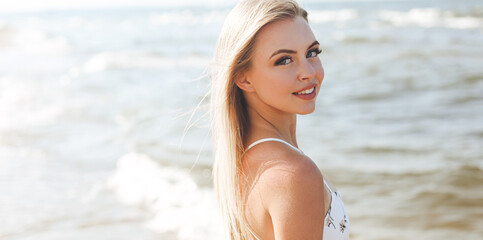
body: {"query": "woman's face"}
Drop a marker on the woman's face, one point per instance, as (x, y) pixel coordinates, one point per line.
(286, 72)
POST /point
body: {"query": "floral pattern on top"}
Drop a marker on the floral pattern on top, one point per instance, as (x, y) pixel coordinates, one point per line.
(337, 225)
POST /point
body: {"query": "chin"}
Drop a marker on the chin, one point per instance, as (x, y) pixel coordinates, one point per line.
(307, 110)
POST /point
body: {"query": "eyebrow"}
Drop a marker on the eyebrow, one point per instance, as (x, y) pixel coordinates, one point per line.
(291, 51)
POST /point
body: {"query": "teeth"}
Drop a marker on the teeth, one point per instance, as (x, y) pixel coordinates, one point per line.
(308, 91)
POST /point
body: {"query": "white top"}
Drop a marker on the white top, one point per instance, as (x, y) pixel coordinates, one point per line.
(336, 224)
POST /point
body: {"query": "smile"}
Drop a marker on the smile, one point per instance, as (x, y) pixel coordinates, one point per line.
(305, 92)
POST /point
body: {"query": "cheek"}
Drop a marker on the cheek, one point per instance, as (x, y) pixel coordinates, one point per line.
(275, 82)
(319, 72)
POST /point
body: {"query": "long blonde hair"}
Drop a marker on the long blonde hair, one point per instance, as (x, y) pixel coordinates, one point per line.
(233, 55)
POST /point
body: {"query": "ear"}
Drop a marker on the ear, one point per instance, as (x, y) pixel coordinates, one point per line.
(242, 81)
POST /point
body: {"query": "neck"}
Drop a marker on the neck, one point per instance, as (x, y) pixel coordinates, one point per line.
(266, 121)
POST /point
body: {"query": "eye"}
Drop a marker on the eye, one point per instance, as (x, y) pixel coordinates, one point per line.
(313, 52)
(284, 60)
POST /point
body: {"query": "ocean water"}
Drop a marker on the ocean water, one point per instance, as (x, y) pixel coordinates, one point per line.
(99, 140)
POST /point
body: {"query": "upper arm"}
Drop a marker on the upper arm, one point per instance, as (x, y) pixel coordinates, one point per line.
(294, 194)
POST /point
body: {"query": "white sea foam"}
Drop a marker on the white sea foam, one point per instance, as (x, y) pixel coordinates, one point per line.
(187, 18)
(3, 31)
(18, 109)
(30, 40)
(337, 16)
(28, 5)
(119, 60)
(429, 17)
(170, 194)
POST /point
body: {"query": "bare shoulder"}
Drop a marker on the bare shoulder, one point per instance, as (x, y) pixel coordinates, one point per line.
(276, 163)
(285, 171)
(291, 188)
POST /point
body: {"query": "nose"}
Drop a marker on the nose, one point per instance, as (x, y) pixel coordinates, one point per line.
(306, 70)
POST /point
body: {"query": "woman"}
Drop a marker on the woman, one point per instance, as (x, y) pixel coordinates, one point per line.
(266, 71)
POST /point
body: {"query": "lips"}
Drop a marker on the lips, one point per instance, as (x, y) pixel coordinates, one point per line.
(308, 93)
(307, 90)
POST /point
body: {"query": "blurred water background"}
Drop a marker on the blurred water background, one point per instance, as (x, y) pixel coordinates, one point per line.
(94, 104)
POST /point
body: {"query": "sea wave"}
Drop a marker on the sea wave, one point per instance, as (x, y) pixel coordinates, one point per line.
(25, 105)
(363, 39)
(177, 203)
(430, 17)
(129, 60)
(32, 41)
(328, 16)
(5, 35)
(187, 18)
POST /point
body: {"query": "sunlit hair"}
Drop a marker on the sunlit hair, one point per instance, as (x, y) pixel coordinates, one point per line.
(233, 55)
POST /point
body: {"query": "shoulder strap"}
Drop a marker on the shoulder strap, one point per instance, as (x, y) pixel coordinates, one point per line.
(327, 185)
(271, 139)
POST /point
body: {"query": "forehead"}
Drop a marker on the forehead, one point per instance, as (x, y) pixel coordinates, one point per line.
(293, 34)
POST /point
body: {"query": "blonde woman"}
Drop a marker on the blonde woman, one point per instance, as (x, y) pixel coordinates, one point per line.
(266, 71)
